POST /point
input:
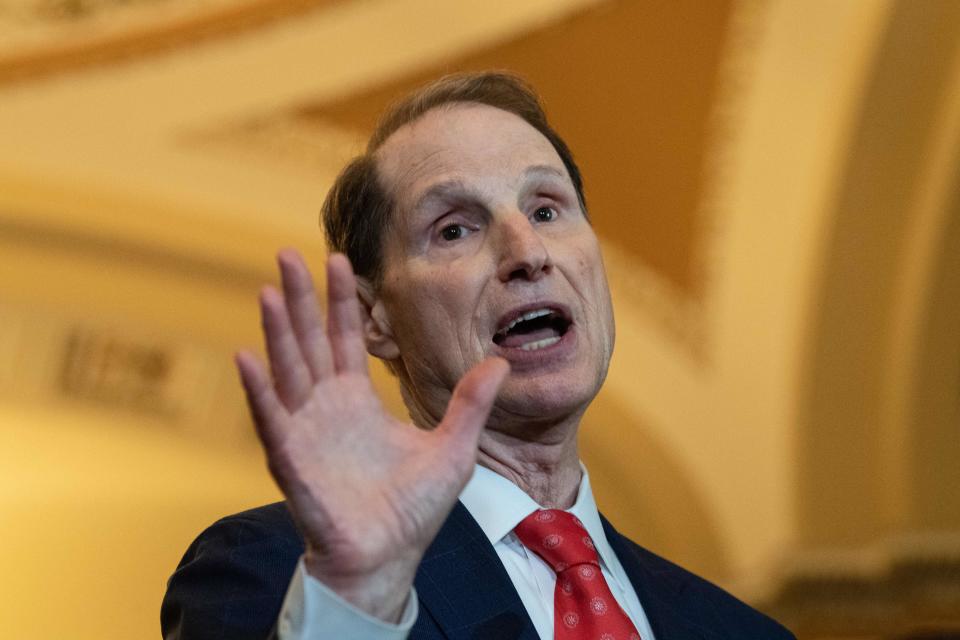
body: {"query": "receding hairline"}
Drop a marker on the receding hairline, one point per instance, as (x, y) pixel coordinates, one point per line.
(375, 153)
(376, 142)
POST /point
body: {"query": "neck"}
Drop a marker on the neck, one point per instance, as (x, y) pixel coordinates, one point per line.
(548, 469)
(539, 456)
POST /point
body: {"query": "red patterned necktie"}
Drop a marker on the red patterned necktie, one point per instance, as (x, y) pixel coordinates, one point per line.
(583, 607)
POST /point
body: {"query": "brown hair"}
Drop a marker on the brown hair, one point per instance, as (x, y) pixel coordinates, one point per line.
(357, 210)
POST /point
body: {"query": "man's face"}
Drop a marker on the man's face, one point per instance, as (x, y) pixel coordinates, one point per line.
(490, 253)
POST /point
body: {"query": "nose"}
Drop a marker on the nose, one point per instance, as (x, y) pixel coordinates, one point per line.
(523, 254)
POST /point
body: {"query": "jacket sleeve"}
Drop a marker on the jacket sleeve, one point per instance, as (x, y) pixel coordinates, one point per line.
(231, 581)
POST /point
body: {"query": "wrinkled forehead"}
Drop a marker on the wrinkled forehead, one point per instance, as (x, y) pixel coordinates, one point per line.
(474, 144)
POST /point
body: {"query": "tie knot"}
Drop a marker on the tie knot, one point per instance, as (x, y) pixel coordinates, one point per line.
(558, 537)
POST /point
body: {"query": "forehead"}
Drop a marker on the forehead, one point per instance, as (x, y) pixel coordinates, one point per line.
(468, 142)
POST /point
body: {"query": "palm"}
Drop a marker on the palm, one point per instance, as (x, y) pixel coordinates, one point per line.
(350, 465)
(365, 489)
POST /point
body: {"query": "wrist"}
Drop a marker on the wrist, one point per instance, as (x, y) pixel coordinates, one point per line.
(381, 593)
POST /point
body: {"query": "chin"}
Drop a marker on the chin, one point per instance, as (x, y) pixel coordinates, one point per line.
(547, 399)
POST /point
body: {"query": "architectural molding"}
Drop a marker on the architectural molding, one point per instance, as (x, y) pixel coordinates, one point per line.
(899, 586)
(47, 38)
(85, 244)
(144, 374)
(314, 148)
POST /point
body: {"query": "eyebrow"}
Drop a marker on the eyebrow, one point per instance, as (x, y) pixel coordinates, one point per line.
(457, 186)
(440, 190)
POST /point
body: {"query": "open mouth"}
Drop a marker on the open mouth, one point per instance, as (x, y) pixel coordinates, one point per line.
(533, 329)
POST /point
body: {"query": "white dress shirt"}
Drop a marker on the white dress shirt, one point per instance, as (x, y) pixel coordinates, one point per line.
(311, 611)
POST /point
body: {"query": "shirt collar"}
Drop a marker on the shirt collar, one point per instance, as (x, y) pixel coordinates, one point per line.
(498, 506)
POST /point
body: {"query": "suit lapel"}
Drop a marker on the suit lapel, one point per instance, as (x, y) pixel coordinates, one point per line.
(464, 588)
(661, 592)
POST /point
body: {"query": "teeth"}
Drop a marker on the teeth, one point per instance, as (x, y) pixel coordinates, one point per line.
(530, 315)
(540, 344)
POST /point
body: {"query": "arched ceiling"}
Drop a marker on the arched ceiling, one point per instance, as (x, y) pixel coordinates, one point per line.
(202, 93)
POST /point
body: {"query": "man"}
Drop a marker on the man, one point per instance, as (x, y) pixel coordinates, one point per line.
(480, 283)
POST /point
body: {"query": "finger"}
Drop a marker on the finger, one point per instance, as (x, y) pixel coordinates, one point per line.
(269, 416)
(290, 373)
(344, 326)
(471, 402)
(304, 312)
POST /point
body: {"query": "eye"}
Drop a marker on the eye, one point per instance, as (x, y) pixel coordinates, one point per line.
(544, 214)
(453, 232)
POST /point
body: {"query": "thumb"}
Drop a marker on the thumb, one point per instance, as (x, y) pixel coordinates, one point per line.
(472, 400)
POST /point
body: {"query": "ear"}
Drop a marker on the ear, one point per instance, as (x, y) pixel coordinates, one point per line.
(377, 332)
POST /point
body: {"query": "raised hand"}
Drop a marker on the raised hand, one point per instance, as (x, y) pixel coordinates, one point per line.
(368, 492)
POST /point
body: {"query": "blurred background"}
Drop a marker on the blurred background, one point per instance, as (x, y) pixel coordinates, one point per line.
(776, 184)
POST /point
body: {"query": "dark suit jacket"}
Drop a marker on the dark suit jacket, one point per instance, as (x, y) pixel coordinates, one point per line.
(232, 580)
